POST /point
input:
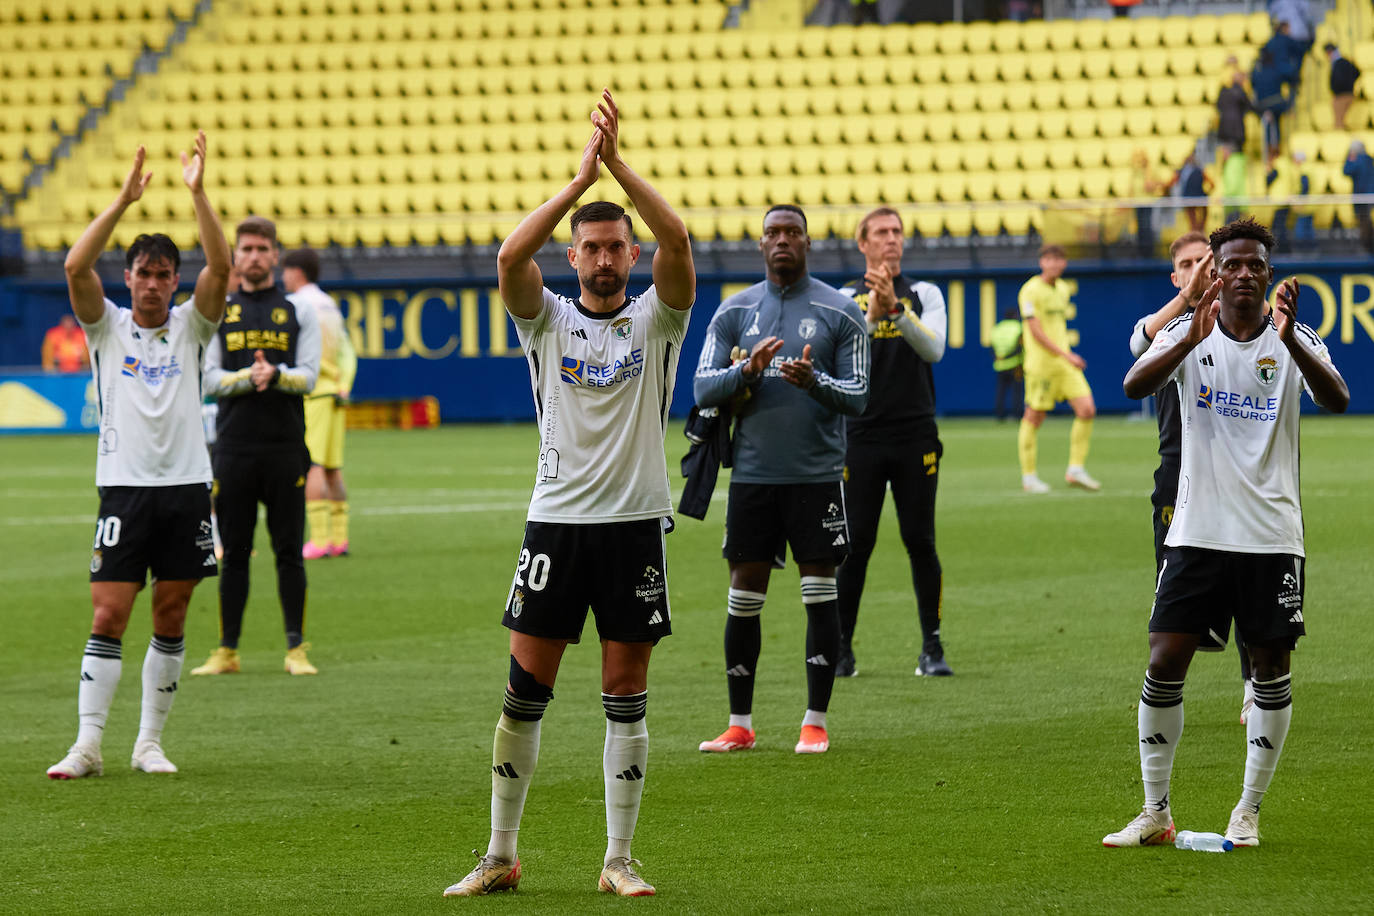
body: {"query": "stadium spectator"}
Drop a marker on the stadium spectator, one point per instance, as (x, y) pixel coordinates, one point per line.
(1233, 105)
(1266, 81)
(326, 417)
(807, 369)
(1359, 168)
(1235, 172)
(1344, 75)
(64, 347)
(1007, 357)
(895, 440)
(1287, 54)
(1231, 552)
(1297, 15)
(152, 468)
(264, 359)
(1054, 373)
(1191, 258)
(603, 410)
(1191, 182)
(1304, 231)
(1122, 8)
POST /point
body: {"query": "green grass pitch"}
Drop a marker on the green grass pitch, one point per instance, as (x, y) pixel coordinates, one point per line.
(362, 790)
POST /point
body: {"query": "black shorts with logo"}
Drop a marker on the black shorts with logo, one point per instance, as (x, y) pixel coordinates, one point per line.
(617, 569)
(1201, 591)
(761, 519)
(162, 529)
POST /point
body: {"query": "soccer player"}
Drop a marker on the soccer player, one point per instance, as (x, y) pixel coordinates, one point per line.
(264, 359)
(805, 369)
(602, 369)
(895, 440)
(152, 468)
(1192, 273)
(1235, 547)
(326, 497)
(1054, 373)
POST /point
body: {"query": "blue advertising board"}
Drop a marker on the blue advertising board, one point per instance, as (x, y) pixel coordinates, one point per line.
(455, 342)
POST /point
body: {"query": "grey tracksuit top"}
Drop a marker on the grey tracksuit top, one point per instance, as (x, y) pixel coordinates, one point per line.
(786, 435)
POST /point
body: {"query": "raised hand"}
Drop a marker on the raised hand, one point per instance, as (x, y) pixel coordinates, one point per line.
(607, 120)
(589, 171)
(261, 372)
(193, 167)
(1286, 309)
(1198, 279)
(1205, 315)
(800, 372)
(137, 179)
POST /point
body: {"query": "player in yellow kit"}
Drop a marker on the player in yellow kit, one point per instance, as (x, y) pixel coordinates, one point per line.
(326, 499)
(1053, 371)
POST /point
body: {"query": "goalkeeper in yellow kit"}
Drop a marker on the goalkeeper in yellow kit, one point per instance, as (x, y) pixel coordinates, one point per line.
(1054, 373)
(326, 499)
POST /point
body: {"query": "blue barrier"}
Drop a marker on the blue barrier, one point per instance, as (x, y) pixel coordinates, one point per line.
(454, 340)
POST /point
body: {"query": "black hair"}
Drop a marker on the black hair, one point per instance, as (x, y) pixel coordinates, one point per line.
(601, 211)
(790, 208)
(1244, 228)
(157, 247)
(306, 260)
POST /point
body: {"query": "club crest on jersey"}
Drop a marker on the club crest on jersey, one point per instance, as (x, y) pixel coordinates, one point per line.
(130, 367)
(572, 370)
(1204, 396)
(517, 603)
(97, 560)
(279, 315)
(807, 328)
(622, 328)
(1267, 369)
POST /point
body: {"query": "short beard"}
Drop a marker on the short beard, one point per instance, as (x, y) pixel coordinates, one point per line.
(605, 286)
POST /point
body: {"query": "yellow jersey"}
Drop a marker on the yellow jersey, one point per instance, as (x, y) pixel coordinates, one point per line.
(338, 361)
(1050, 304)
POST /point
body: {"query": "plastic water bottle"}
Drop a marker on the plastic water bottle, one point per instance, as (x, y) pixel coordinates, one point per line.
(1202, 842)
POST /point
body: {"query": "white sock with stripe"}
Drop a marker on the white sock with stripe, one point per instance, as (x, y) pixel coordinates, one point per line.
(161, 672)
(624, 763)
(1265, 731)
(101, 666)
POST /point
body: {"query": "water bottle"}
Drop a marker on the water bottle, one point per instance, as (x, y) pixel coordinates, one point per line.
(1203, 842)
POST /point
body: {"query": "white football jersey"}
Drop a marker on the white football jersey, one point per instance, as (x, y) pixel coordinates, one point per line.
(1239, 401)
(148, 389)
(602, 385)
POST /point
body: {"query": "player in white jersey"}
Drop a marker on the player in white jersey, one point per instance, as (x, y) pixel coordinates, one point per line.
(1235, 547)
(602, 369)
(152, 468)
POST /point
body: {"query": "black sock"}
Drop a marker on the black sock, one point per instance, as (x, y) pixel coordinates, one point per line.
(743, 640)
(822, 639)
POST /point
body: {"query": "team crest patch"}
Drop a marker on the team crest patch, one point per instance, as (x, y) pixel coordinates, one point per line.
(279, 316)
(517, 602)
(807, 328)
(130, 367)
(572, 370)
(622, 328)
(97, 560)
(1267, 370)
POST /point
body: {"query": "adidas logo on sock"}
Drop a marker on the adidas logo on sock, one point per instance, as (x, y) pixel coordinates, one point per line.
(737, 671)
(817, 660)
(506, 770)
(1156, 738)
(631, 774)
(656, 617)
(170, 688)
(86, 677)
(1263, 742)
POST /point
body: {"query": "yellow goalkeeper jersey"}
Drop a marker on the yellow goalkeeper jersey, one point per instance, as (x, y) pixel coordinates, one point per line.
(1049, 303)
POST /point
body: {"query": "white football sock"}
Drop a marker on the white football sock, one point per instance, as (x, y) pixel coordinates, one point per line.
(1265, 732)
(161, 672)
(1159, 730)
(514, 753)
(101, 666)
(745, 722)
(625, 762)
(813, 717)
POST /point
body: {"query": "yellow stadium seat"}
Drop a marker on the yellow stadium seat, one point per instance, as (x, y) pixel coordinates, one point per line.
(1170, 120)
(1203, 30)
(1140, 122)
(1008, 185)
(896, 40)
(1063, 35)
(1074, 94)
(1097, 64)
(1160, 94)
(1097, 184)
(978, 37)
(958, 223)
(952, 188)
(1067, 185)
(929, 223)
(1006, 37)
(1119, 34)
(1132, 93)
(1103, 94)
(1054, 125)
(997, 126)
(1092, 34)
(934, 99)
(1091, 154)
(1126, 63)
(1011, 67)
(1041, 67)
(981, 185)
(1068, 65)
(1020, 96)
(1112, 122)
(1034, 155)
(1025, 126)
(1233, 29)
(963, 97)
(987, 222)
(968, 127)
